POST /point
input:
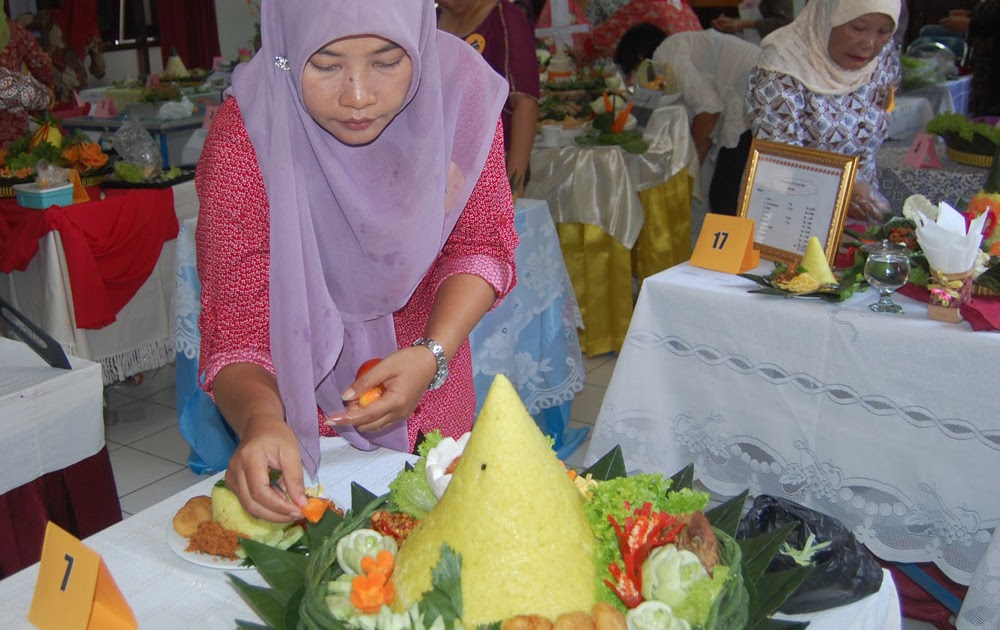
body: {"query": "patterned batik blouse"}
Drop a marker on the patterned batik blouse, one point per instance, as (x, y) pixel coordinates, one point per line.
(782, 109)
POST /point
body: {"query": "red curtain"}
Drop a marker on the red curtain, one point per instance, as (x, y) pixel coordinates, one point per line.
(190, 27)
(78, 21)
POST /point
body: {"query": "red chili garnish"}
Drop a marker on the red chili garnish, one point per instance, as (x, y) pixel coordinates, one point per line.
(643, 532)
(395, 524)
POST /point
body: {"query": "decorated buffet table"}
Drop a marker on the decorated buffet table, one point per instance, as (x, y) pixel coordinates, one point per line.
(885, 422)
(99, 276)
(620, 216)
(167, 587)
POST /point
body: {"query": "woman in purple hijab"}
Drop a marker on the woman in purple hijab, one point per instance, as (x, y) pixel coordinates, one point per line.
(354, 205)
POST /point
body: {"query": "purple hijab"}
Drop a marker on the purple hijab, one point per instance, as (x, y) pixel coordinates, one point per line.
(354, 229)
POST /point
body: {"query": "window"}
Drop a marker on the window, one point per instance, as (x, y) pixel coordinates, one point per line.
(128, 23)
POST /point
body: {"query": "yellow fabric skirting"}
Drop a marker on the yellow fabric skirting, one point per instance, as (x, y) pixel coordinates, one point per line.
(602, 269)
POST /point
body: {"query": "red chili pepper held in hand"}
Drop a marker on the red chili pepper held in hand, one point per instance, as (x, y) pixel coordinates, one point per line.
(374, 393)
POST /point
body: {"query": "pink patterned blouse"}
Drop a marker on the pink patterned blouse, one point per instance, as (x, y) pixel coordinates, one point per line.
(234, 266)
(663, 14)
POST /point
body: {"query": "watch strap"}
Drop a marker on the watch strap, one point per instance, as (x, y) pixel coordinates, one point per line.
(442, 362)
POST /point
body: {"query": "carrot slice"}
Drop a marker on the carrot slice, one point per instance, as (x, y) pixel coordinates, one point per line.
(621, 119)
(315, 508)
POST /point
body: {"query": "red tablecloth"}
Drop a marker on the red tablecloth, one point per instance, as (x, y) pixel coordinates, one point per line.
(82, 499)
(111, 245)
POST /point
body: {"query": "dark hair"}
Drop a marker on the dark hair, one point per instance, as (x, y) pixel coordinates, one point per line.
(638, 43)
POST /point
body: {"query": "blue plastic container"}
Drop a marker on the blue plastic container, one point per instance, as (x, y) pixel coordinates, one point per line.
(31, 196)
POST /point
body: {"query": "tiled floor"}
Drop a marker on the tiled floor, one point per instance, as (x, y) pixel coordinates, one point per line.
(149, 456)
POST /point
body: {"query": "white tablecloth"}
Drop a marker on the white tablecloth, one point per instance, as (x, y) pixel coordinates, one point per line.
(885, 422)
(597, 185)
(50, 418)
(141, 338)
(167, 593)
(910, 116)
(950, 96)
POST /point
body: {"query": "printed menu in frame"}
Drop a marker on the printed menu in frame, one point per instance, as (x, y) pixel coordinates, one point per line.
(793, 193)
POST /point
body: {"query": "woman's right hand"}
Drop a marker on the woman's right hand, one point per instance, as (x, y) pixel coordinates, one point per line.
(268, 444)
(868, 204)
(247, 396)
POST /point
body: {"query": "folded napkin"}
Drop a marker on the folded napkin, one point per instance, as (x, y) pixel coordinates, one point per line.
(949, 245)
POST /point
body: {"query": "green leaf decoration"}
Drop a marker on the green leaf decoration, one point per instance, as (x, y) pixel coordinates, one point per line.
(990, 279)
(636, 146)
(444, 600)
(292, 609)
(361, 497)
(611, 466)
(603, 121)
(773, 588)
(249, 625)
(730, 608)
(727, 516)
(316, 533)
(283, 570)
(759, 550)
(779, 624)
(683, 479)
(265, 602)
(761, 280)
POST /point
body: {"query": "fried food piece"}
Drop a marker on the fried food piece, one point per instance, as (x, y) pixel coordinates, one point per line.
(215, 540)
(196, 511)
(527, 622)
(578, 620)
(607, 617)
(698, 538)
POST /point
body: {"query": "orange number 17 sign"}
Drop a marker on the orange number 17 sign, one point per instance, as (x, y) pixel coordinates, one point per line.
(75, 590)
(726, 244)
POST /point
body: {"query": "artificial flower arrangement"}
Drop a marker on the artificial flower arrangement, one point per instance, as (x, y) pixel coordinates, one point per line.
(49, 143)
(496, 533)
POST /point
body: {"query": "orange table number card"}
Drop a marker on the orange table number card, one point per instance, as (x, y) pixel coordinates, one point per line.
(79, 192)
(75, 590)
(726, 244)
(922, 153)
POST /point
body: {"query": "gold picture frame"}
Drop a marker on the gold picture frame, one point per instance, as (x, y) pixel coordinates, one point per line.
(793, 193)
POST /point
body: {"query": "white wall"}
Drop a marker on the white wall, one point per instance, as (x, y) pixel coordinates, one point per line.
(236, 26)
(236, 29)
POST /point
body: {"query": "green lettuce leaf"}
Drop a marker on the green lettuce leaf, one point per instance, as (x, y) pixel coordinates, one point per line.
(409, 492)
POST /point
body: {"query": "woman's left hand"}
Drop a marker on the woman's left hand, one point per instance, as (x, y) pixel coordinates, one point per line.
(405, 375)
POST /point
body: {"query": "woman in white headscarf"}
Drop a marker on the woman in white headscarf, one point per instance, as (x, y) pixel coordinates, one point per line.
(826, 81)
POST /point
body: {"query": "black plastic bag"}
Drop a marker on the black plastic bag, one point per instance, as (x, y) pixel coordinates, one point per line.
(844, 572)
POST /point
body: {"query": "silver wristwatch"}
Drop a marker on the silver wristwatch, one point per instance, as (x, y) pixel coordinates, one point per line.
(442, 362)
